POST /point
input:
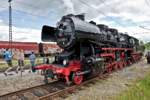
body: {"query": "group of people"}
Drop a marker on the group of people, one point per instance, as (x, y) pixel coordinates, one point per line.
(18, 55)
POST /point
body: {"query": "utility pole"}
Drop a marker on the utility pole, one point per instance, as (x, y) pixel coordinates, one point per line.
(10, 25)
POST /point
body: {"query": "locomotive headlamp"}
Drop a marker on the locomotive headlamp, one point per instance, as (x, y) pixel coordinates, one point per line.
(65, 62)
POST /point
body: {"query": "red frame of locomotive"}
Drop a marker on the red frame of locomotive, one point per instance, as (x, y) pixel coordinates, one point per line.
(110, 64)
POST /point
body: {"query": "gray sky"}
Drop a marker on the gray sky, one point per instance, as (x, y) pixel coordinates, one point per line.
(30, 15)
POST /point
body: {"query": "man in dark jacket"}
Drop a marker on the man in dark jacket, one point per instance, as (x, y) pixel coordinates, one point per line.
(148, 57)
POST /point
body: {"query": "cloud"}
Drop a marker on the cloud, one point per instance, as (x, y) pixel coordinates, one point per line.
(69, 6)
(126, 16)
(19, 34)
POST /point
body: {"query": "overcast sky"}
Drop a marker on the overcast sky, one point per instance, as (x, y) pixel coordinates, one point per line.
(30, 15)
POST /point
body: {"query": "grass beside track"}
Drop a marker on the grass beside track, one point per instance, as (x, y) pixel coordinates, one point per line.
(4, 66)
(139, 91)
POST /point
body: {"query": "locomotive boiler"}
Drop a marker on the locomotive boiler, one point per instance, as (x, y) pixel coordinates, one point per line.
(89, 49)
(73, 28)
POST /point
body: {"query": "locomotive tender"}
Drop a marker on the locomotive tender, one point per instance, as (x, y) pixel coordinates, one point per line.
(89, 49)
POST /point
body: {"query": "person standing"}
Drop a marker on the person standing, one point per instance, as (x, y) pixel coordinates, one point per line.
(45, 60)
(148, 57)
(20, 58)
(32, 58)
(8, 59)
(16, 57)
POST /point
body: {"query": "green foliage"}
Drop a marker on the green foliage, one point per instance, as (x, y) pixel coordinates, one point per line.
(140, 91)
(147, 45)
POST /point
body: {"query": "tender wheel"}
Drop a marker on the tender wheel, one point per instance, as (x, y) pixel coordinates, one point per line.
(77, 79)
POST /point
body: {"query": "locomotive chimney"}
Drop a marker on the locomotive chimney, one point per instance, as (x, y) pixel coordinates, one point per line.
(48, 34)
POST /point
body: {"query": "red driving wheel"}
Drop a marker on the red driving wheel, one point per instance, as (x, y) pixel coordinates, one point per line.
(77, 79)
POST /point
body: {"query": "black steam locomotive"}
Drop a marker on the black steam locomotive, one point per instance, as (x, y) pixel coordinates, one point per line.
(73, 28)
(89, 49)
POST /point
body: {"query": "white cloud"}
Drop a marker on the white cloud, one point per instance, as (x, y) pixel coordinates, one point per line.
(19, 34)
(69, 6)
(129, 12)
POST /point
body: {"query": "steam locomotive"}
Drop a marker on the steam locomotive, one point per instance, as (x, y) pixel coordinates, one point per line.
(89, 49)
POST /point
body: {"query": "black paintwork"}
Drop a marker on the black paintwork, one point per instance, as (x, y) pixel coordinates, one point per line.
(71, 29)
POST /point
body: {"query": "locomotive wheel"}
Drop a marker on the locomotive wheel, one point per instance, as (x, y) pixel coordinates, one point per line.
(77, 79)
(109, 69)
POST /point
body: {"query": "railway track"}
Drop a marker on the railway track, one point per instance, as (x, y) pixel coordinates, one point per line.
(48, 91)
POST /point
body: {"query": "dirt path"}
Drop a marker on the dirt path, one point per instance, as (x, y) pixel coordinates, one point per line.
(115, 84)
(16, 82)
